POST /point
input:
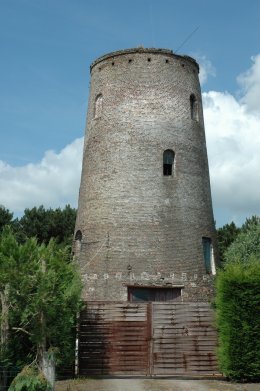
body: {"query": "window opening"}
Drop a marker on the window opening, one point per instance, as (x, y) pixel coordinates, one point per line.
(168, 160)
(140, 294)
(78, 235)
(194, 112)
(98, 106)
(78, 239)
(207, 253)
(148, 59)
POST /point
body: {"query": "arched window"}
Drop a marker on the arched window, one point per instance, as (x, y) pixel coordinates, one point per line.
(78, 235)
(168, 160)
(78, 239)
(98, 106)
(194, 109)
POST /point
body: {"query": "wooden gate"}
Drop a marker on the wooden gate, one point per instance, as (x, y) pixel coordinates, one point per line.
(149, 339)
(184, 339)
(113, 339)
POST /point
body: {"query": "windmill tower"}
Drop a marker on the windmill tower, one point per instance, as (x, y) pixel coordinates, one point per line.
(145, 227)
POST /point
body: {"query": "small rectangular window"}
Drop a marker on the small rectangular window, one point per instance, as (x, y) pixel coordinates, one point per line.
(98, 106)
(207, 252)
(194, 108)
(168, 160)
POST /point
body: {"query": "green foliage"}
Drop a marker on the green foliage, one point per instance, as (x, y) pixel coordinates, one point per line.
(42, 282)
(55, 292)
(5, 217)
(226, 235)
(45, 224)
(238, 319)
(41, 223)
(229, 233)
(30, 379)
(250, 223)
(9, 253)
(238, 307)
(246, 245)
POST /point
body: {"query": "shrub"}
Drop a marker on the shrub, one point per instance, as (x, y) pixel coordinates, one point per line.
(246, 245)
(238, 319)
(30, 379)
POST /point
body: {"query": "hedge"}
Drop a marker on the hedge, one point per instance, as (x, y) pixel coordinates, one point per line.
(238, 320)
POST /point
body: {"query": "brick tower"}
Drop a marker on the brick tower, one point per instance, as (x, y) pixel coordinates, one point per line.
(145, 227)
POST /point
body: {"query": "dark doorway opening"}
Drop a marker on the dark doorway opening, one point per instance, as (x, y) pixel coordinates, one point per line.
(137, 294)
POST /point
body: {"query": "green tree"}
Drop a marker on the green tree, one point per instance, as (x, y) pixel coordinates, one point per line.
(246, 246)
(6, 217)
(40, 298)
(238, 310)
(254, 220)
(9, 255)
(226, 235)
(45, 224)
(51, 302)
(63, 224)
(35, 223)
(238, 319)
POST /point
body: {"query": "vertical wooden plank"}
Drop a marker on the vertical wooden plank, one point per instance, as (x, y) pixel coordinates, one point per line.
(149, 339)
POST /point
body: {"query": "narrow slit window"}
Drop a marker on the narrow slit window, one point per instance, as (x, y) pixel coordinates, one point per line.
(98, 106)
(78, 240)
(168, 161)
(194, 109)
(207, 253)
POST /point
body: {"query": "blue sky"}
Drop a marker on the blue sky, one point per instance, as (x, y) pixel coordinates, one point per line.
(46, 49)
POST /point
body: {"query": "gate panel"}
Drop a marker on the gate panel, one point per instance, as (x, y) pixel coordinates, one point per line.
(117, 338)
(114, 339)
(184, 339)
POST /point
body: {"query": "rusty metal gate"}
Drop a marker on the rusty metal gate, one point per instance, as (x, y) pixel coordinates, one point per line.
(122, 338)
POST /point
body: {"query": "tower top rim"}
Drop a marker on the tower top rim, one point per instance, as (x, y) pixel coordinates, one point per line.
(141, 49)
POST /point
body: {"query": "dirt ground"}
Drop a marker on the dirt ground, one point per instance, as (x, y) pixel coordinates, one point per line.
(152, 385)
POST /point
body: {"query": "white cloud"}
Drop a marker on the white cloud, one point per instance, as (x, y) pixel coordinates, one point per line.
(54, 182)
(233, 140)
(206, 69)
(250, 83)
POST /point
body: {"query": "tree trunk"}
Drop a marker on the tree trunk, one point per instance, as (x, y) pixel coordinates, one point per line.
(46, 363)
(4, 297)
(41, 347)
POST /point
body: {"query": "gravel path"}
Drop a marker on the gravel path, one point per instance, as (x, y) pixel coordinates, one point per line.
(152, 385)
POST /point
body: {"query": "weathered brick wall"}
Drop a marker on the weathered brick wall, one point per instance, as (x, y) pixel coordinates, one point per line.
(140, 227)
